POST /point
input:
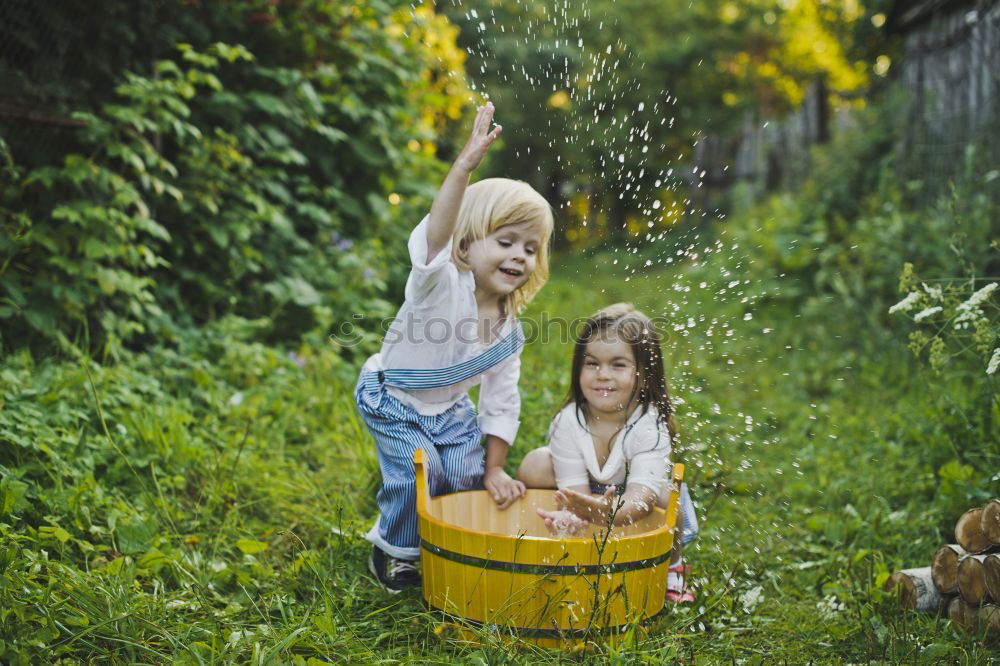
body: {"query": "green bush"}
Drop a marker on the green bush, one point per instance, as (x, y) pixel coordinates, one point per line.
(826, 261)
(177, 470)
(224, 182)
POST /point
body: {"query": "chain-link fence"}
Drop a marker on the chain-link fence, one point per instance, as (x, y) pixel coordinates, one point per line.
(63, 55)
(949, 121)
(951, 72)
(774, 154)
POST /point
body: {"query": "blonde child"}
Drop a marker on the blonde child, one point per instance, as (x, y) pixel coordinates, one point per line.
(477, 258)
(614, 433)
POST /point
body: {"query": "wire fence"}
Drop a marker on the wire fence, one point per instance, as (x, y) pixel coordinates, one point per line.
(951, 70)
(949, 121)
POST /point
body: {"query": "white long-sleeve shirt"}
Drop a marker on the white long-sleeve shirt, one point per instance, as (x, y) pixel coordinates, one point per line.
(437, 327)
(642, 445)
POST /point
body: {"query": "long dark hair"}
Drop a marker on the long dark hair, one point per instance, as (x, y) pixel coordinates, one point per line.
(636, 330)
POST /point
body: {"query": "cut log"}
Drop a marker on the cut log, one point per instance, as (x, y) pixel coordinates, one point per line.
(990, 520)
(992, 566)
(972, 579)
(962, 613)
(915, 588)
(944, 568)
(969, 531)
(988, 618)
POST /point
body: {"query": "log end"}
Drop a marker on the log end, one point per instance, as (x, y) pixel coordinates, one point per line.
(915, 589)
(990, 521)
(988, 618)
(904, 589)
(944, 568)
(972, 579)
(962, 614)
(969, 531)
(991, 565)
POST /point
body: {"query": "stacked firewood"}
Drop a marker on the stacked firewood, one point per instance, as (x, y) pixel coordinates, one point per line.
(963, 579)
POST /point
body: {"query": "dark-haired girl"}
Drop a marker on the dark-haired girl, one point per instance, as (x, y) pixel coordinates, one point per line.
(613, 436)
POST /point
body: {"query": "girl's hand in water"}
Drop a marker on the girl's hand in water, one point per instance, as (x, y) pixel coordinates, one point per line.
(563, 523)
(587, 507)
(501, 487)
(480, 139)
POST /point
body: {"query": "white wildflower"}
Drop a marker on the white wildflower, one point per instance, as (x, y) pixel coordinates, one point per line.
(831, 606)
(907, 303)
(964, 319)
(969, 312)
(934, 292)
(926, 312)
(979, 297)
(994, 362)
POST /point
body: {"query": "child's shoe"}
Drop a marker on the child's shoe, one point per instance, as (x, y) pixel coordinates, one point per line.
(677, 589)
(392, 573)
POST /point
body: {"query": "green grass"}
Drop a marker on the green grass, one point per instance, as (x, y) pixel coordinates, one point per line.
(218, 516)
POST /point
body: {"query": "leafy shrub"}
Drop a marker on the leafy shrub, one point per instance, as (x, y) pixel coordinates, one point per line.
(826, 261)
(223, 183)
(199, 469)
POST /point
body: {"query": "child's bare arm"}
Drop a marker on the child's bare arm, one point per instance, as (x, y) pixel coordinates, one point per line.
(448, 200)
(635, 504)
(499, 484)
(586, 506)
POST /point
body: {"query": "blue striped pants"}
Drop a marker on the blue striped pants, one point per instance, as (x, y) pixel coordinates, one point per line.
(690, 530)
(454, 459)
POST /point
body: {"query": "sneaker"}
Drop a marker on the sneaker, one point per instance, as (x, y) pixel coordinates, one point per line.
(677, 589)
(392, 573)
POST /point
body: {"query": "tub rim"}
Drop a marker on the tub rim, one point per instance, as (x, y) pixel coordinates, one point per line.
(423, 497)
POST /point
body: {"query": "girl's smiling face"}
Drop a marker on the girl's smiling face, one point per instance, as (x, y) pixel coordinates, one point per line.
(504, 260)
(608, 375)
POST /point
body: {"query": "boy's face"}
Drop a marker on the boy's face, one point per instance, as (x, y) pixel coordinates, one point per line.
(503, 261)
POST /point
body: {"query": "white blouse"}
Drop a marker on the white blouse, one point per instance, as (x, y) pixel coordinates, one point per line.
(437, 327)
(642, 445)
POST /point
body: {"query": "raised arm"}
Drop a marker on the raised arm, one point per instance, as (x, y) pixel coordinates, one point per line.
(448, 200)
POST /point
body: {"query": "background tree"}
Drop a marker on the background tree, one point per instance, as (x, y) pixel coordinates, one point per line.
(609, 100)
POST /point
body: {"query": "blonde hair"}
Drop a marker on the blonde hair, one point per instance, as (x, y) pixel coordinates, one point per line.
(493, 203)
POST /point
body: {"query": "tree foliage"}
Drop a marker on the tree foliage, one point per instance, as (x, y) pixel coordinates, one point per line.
(607, 101)
(258, 167)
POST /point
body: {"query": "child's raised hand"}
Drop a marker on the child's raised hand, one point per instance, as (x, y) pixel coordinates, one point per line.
(587, 507)
(501, 487)
(563, 523)
(480, 139)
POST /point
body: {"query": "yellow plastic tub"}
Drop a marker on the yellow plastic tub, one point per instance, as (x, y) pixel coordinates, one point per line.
(498, 568)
